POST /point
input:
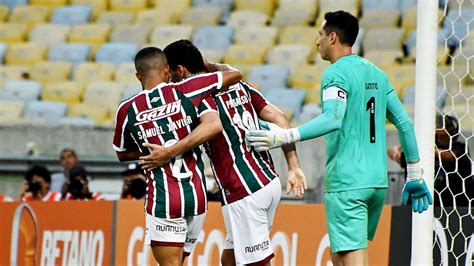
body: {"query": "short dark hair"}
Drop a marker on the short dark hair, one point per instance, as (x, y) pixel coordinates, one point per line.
(38, 170)
(78, 171)
(149, 58)
(185, 53)
(66, 150)
(344, 24)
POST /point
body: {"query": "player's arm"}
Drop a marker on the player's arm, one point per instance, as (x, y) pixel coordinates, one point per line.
(296, 180)
(210, 126)
(129, 155)
(415, 186)
(230, 75)
(123, 144)
(334, 109)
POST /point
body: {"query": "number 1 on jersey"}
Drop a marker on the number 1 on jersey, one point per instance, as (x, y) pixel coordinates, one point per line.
(371, 109)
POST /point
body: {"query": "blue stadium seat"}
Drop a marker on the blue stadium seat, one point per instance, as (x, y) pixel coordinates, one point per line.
(290, 101)
(213, 37)
(23, 90)
(131, 91)
(76, 121)
(224, 5)
(70, 52)
(49, 111)
(3, 51)
(13, 3)
(72, 15)
(116, 53)
(269, 76)
(381, 4)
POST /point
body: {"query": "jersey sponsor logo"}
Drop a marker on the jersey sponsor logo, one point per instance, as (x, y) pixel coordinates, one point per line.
(170, 228)
(234, 102)
(372, 86)
(158, 113)
(259, 247)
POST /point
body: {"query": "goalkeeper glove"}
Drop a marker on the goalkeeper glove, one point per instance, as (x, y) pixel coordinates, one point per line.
(272, 137)
(416, 189)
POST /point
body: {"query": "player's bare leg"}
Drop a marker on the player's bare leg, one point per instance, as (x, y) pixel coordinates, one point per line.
(168, 256)
(353, 257)
(228, 257)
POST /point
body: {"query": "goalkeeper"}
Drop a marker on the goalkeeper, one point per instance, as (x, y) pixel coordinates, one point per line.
(356, 99)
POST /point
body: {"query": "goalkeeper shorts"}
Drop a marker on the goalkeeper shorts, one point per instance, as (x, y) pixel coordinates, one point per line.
(352, 217)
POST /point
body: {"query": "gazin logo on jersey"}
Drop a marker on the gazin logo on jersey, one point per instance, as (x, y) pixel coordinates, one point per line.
(158, 112)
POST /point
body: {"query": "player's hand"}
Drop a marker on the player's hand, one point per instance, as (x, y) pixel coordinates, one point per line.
(158, 157)
(296, 182)
(273, 137)
(416, 189)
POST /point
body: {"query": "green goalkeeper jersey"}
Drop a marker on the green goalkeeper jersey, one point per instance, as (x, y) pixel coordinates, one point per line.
(357, 152)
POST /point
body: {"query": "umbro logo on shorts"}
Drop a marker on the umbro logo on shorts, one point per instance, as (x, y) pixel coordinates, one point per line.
(158, 113)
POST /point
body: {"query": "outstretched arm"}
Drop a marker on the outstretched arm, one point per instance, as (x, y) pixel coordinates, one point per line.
(230, 75)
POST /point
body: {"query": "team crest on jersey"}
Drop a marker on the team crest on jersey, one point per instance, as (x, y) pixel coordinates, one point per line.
(158, 113)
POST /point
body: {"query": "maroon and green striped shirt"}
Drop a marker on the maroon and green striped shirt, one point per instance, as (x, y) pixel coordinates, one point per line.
(239, 170)
(164, 115)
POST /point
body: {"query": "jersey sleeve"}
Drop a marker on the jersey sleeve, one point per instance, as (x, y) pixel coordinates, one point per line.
(207, 105)
(122, 135)
(335, 77)
(199, 87)
(258, 101)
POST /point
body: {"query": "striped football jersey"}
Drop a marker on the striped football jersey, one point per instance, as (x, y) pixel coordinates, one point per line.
(239, 170)
(165, 115)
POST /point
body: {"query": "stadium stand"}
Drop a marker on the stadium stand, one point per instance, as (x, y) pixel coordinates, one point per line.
(202, 16)
(116, 53)
(72, 15)
(21, 90)
(62, 91)
(12, 32)
(74, 53)
(10, 111)
(45, 110)
(49, 33)
(269, 76)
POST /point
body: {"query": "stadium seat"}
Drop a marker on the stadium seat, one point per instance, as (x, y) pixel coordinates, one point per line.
(89, 72)
(98, 113)
(49, 111)
(49, 3)
(11, 4)
(104, 93)
(245, 54)
(166, 34)
(213, 37)
(69, 52)
(269, 76)
(10, 110)
(3, 12)
(224, 5)
(304, 35)
(93, 34)
(46, 71)
(284, 17)
(76, 121)
(384, 58)
(14, 72)
(265, 36)
(131, 91)
(213, 55)
(49, 33)
(3, 51)
(179, 7)
(308, 112)
(386, 39)
(137, 34)
(247, 18)
(291, 55)
(26, 54)
(98, 6)
(265, 6)
(290, 101)
(401, 77)
(380, 5)
(441, 95)
(62, 91)
(72, 15)
(126, 72)
(12, 32)
(351, 6)
(127, 5)
(116, 53)
(114, 18)
(155, 17)
(307, 76)
(29, 15)
(379, 19)
(409, 20)
(21, 90)
(202, 16)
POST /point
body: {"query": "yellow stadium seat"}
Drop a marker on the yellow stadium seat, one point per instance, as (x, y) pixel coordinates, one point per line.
(202, 16)
(95, 112)
(3, 12)
(10, 111)
(351, 6)
(166, 34)
(245, 54)
(380, 19)
(137, 34)
(383, 58)
(114, 18)
(90, 72)
(289, 17)
(98, 6)
(310, 5)
(257, 35)
(245, 70)
(305, 35)
(29, 15)
(213, 55)
(25, 53)
(51, 71)
(62, 91)
(126, 72)
(155, 17)
(49, 3)
(443, 54)
(15, 72)
(401, 77)
(12, 32)
(95, 34)
(265, 6)
(127, 5)
(245, 18)
(291, 55)
(307, 76)
(104, 93)
(179, 7)
(409, 19)
(385, 38)
(49, 33)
